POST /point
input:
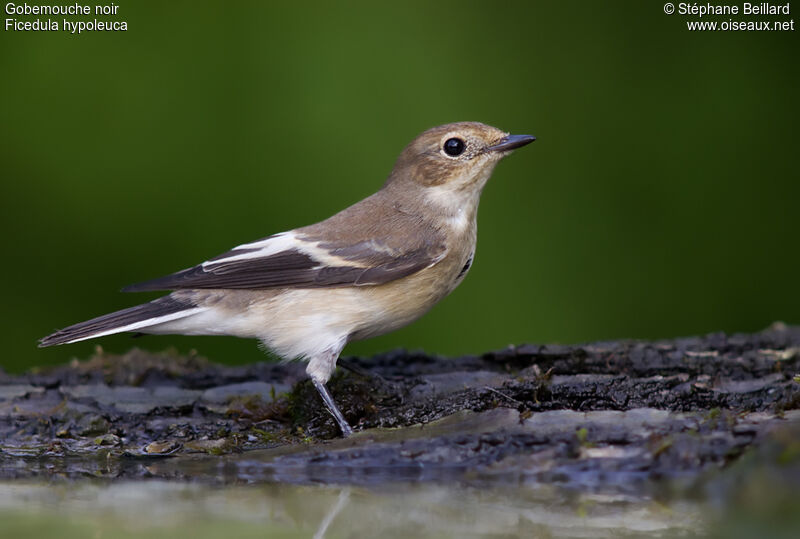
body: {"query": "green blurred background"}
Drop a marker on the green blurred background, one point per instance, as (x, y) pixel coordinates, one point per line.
(660, 198)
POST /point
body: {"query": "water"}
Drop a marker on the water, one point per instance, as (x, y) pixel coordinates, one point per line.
(161, 508)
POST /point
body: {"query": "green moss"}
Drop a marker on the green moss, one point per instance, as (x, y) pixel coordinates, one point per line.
(583, 437)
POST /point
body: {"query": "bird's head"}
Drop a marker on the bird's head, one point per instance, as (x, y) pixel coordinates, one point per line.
(454, 160)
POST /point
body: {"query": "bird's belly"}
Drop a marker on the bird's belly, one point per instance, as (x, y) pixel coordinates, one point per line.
(308, 322)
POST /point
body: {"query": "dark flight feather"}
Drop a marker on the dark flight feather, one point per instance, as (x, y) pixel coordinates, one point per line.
(160, 307)
(288, 269)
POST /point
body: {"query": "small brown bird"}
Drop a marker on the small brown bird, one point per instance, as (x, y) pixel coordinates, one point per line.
(368, 270)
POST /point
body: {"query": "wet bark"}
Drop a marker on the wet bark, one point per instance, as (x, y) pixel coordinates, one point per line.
(586, 414)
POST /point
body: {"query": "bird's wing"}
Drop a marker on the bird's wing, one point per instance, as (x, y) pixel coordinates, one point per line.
(299, 260)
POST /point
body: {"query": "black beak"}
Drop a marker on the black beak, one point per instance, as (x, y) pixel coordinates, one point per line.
(511, 142)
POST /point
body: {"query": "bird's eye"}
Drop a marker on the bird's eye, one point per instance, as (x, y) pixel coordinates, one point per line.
(454, 147)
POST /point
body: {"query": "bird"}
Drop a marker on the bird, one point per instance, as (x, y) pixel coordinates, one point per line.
(370, 269)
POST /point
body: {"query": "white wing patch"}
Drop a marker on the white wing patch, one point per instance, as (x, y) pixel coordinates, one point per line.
(278, 243)
(285, 241)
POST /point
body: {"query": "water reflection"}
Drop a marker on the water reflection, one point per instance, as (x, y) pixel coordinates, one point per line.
(344, 497)
(421, 510)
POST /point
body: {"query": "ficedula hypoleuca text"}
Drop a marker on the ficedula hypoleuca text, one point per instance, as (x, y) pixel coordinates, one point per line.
(368, 270)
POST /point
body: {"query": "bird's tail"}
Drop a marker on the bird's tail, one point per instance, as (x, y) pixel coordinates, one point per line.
(147, 315)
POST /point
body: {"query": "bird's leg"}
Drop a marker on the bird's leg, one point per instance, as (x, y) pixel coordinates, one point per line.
(319, 370)
(332, 408)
